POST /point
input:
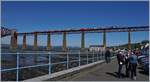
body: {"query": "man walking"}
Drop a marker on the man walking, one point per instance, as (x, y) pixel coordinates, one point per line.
(121, 60)
(133, 65)
(127, 62)
(107, 56)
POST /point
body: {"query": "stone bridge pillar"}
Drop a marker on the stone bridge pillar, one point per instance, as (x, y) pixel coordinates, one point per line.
(24, 41)
(104, 39)
(129, 40)
(82, 41)
(64, 44)
(35, 41)
(48, 41)
(13, 41)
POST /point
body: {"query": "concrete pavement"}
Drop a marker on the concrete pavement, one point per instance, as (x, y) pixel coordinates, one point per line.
(105, 72)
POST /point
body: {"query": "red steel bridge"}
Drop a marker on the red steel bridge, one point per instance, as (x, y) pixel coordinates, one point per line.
(104, 30)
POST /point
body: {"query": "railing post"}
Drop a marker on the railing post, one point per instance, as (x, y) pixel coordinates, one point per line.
(87, 58)
(93, 56)
(97, 56)
(67, 60)
(17, 71)
(49, 61)
(103, 54)
(79, 58)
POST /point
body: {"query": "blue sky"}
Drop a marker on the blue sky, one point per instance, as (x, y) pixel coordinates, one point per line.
(49, 15)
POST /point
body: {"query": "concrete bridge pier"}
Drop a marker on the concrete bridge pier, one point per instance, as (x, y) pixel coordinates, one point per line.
(82, 41)
(64, 43)
(104, 39)
(24, 42)
(35, 41)
(48, 41)
(35, 47)
(13, 41)
(129, 40)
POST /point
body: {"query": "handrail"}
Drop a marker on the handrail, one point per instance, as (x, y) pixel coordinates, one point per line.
(50, 63)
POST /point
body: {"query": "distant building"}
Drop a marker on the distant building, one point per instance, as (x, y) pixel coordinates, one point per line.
(96, 48)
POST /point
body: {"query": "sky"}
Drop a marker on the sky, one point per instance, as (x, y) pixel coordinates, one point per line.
(29, 16)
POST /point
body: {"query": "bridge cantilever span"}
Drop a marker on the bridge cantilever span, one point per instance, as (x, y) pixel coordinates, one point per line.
(6, 31)
(82, 31)
(91, 30)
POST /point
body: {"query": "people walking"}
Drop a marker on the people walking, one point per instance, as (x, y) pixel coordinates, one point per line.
(121, 60)
(127, 62)
(107, 56)
(133, 65)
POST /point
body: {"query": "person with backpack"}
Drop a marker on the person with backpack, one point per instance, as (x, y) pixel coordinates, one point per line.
(121, 60)
(127, 62)
(133, 65)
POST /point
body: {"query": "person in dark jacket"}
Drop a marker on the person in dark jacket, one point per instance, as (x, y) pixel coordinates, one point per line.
(127, 63)
(107, 56)
(121, 60)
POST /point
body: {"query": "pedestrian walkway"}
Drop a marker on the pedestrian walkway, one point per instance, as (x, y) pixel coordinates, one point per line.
(105, 72)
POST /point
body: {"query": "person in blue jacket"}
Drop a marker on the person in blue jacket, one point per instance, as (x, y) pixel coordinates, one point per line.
(133, 65)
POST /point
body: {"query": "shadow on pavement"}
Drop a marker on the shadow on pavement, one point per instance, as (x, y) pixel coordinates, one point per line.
(115, 74)
(140, 68)
(143, 72)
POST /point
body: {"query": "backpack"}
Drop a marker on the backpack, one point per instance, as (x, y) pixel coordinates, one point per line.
(122, 58)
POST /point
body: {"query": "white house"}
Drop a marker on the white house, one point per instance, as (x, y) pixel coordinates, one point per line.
(96, 48)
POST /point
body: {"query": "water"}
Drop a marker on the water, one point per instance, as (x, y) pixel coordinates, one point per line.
(58, 63)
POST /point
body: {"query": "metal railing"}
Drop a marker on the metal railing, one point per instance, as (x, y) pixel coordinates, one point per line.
(52, 61)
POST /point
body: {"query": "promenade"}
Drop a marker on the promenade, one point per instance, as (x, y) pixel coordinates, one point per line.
(105, 72)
